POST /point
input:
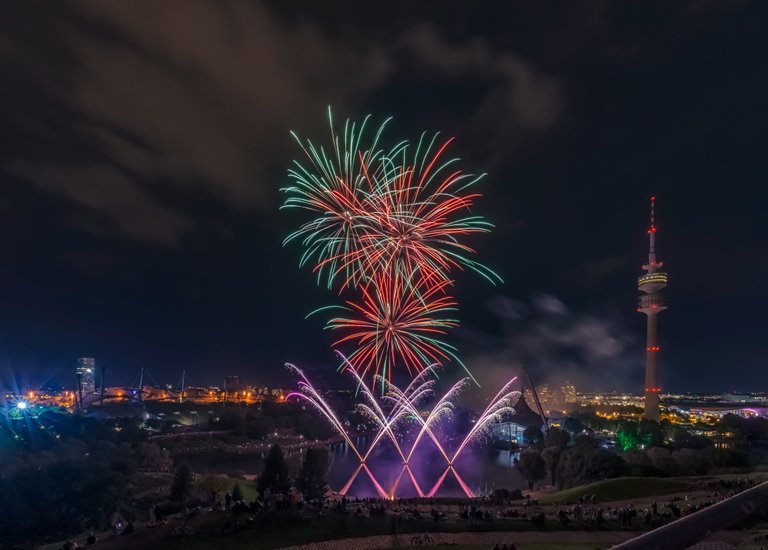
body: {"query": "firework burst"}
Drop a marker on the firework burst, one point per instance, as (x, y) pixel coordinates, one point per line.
(387, 231)
(419, 210)
(397, 323)
(333, 187)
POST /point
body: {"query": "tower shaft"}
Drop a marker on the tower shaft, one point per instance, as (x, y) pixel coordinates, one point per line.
(651, 303)
(652, 389)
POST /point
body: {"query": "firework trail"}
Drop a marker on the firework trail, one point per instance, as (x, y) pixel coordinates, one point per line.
(442, 409)
(499, 406)
(404, 403)
(419, 207)
(334, 187)
(310, 394)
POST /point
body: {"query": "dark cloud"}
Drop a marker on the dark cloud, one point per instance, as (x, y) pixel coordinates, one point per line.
(189, 102)
(194, 101)
(595, 273)
(517, 100)
(128, 207)
(555, 344)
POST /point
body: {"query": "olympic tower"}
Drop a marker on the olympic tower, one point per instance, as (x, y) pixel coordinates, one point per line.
(652, 303)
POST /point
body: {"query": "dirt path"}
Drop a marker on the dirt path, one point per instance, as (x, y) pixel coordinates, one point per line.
(489, 538)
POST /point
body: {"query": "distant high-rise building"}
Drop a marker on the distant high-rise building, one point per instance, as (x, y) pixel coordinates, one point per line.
(569, 392)
(86, 372)
(544, 395)
(552, 397)
(651, 303)
(232, 383)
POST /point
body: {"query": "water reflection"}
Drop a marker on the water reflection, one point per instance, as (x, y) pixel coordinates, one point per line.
(481, 467)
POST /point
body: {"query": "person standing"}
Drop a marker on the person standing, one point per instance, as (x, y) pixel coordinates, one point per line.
(158, 515)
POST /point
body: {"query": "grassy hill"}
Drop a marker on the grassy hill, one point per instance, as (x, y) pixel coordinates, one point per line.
(622, 488)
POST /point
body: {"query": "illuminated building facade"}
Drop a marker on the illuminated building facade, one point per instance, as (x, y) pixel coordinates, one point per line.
(232, 383)
(86, 372)
(569, 393)
(651, 303)
(553, 397)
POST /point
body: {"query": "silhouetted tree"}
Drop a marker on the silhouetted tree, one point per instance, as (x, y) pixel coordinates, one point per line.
(275, 474)
(602, 464)
(551, 456)
(182, 483)
(57, 500)
(311, 480)
(692, 461)
(532, 466)
(557, 438)
(650, 433)
(150, 456)
(662, 460)
(533, 436)
(584, 464)
(727, 458)
(585, 442)
(260, 426)
(573, 425)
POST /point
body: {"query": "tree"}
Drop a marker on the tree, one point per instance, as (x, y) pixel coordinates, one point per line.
(57, 500)
(532, 466)
(274, 476)
(571, 467)
(573, 425)
(314, 428)
(557, 438)
(650, 433)
(662, 460)
(692, 461)
(533, 435)
(551, 456)
(602, 464)
(151, 457)
(586, 442)
(311, 480)
(734, 424)
(728, 458)
(260, 426)
(583, 464)
(182, 483)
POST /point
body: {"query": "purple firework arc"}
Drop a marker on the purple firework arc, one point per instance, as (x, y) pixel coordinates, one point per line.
(402, 404)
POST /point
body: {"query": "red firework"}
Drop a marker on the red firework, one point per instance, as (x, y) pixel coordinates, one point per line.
(411, 222)
(397, 324)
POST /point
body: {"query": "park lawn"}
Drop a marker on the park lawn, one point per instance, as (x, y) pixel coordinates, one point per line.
(287, 529)
(622, 488)
(249, 489)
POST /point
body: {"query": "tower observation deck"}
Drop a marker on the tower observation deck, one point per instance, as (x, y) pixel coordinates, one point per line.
(651, 303)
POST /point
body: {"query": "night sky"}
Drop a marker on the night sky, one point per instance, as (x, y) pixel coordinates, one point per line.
(143, 143)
